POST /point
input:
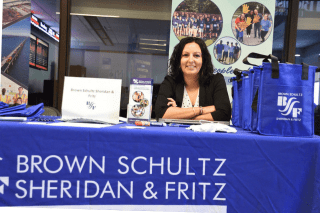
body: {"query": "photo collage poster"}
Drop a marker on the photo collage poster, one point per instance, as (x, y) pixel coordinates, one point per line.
(15, 50)
(231, 29)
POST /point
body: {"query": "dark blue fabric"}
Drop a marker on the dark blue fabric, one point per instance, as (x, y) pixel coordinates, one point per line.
(247, 86)
(285, 105)
(262, 173)
(235, 104)
(13, 109)
(22, 111)
(3, 105)
(256, 83)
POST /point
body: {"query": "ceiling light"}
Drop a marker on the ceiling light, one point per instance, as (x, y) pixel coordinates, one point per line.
(151, 39)
(80, 14)
(297, 55)
(162, 45)
(152, 49)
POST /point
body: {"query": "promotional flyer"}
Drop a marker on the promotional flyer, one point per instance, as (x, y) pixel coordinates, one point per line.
(140, 100)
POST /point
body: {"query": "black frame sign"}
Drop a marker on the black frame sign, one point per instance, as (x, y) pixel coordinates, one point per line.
(38, 23)
(39, 52)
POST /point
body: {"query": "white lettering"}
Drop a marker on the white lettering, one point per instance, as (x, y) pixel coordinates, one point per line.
(169, 170)
(102, 168)
(19, 163)
(181, 191)
(124, 189)
(43, 26)
(35, 164)
(49, 188)
(156, 164)
(48, 158)
(189, 173)
(204, 164)
(217, 170)
(123, 164)
(221, 188)
(21, 188)
(64, 189)
(169, 189)
(37, 188)
(75, 161)
(78, 188)
(110, 191)
(86, 189)
(204, 185)
(133, 168)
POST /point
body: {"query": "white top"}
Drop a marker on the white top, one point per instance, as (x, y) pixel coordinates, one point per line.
(186, 103)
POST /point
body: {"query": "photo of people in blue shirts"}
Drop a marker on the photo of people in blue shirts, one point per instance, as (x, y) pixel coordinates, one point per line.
(252, 23)
(227, 50)
(197, 19)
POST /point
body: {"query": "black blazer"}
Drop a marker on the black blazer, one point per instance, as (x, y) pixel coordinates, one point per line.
(214, 93)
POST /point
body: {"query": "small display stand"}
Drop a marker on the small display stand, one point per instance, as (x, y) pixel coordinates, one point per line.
(140, 100)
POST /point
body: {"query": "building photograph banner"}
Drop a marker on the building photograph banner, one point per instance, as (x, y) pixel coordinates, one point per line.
(230, 29)
(15, 52)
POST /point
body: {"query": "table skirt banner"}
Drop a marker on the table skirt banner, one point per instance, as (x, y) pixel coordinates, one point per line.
(43, 165)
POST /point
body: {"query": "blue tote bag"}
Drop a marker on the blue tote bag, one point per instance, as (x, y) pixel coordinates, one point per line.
(255, 92)
(237, 99)
(247, 86)
(285, 99)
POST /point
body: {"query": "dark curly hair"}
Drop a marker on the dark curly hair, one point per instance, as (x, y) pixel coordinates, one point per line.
(174, 62)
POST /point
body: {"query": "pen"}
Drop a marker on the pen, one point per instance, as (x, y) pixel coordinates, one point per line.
(178, 125)
(147, 123)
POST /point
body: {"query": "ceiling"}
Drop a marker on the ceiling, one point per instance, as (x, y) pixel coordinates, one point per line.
(138, 19)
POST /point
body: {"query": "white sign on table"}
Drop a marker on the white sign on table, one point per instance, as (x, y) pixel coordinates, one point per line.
(91, 98)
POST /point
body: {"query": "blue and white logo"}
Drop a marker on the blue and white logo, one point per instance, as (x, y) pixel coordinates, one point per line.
(4, 181)
(135, 81)
(91, 105)
(289, 106)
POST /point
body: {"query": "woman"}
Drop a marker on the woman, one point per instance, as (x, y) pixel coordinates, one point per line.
(249, 28)
(220, 25)
(191, 90)
(265, 26)
(195, 28)
(239, 31)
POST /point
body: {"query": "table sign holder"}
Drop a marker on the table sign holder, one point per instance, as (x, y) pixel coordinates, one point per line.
(140, 100)
(91, 98)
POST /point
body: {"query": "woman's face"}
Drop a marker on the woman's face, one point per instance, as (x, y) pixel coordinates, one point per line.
(243, 16)
(191, 59)
(265, 17)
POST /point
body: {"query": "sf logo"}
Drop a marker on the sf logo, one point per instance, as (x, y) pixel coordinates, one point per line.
(289, 106)
(91, 105)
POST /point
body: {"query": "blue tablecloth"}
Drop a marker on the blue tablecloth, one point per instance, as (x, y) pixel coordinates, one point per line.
(244, 172)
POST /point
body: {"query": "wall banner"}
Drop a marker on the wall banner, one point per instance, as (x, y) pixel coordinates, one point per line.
(231, 29)
(15, 51)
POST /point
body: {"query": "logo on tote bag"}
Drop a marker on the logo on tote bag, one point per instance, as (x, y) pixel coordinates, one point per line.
(289, 104)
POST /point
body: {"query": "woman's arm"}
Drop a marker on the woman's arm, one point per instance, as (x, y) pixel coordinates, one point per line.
(206, 114)
(190, 113)
(180, 113)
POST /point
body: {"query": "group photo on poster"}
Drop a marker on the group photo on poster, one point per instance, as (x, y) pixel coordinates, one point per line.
(227, 50)
(197, 19)
(252, 23)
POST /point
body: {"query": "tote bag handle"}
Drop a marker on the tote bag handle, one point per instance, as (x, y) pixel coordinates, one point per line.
(274, 62)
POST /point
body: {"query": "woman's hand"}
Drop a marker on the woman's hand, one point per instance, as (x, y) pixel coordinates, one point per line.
(171, 102)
